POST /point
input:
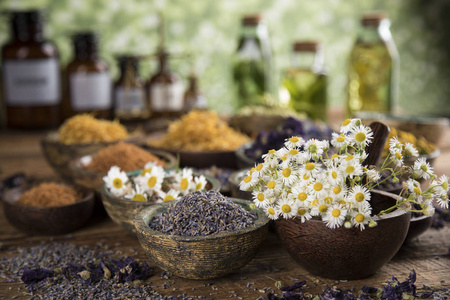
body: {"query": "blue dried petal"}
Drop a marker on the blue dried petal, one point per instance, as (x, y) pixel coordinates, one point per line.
(32, 276)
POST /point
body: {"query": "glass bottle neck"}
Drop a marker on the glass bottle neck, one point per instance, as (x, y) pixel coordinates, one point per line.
(308, 60)
(259, 31)
(375, 33)
(87, 52)
(163, 64)
(28, 31)
(129, 71)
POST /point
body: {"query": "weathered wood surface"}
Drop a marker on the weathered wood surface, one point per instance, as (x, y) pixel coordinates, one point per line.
(20, 152)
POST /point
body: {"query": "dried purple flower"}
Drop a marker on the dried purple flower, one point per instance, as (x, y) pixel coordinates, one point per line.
(32, 276)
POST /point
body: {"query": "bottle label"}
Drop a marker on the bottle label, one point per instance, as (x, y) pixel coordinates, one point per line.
(129, 99)
(90, 91)
(31, 82)
(167, 97)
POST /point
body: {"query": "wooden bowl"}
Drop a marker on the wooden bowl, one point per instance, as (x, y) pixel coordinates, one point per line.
(242, 159)
(47, 220)
(92, 180)
(123, 211)
(200, 257)
(59, 155)
(346, 254)
(418, 226)
(234, 180)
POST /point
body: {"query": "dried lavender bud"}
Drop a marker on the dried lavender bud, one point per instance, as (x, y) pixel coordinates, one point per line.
(202, 213)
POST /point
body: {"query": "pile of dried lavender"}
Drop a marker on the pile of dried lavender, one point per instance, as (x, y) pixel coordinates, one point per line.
(67, 271)
(202, 213)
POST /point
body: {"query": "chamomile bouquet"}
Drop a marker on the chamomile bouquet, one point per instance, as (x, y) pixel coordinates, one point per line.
(304, 180)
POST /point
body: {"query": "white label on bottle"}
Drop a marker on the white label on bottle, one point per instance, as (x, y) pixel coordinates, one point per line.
(250, 50)
(89, 91)
(128, 99)
(166, 97)
(31, 82)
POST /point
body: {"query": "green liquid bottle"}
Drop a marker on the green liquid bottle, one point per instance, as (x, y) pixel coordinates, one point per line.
(252, 66)
(304, 84)
(373, 68)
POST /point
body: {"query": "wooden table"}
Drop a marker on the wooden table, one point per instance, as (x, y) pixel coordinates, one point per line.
(20, 152)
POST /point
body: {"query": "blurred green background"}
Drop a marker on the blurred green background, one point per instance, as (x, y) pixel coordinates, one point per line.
(208, 31)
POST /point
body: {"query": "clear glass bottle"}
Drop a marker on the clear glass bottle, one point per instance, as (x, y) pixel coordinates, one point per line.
(304, 84)
(88, 80)
(129, 93)
(165, 90)
(31, 74)
(252, 68)
(374, 68)
(193, 98)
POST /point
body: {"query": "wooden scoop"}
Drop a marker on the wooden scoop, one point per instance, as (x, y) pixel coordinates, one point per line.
(375, 149)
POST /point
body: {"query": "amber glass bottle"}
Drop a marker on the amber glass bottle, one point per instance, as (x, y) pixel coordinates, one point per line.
(129, 94)
(87, 80)
(31, 76)
(193, 98)
(165, 90)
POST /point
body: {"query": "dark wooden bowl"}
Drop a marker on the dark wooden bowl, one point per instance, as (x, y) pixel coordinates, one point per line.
(243, 160)
(200, 257)
(92, 180)
(234, 179)
(59, 155)
(346, 254)
(123, 211)
(47, 220)
(418, 226)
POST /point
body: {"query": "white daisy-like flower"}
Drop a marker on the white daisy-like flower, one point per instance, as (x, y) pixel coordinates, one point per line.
(442, 200)
(116, 181)
(151, 182)
(319, 186)
(428, 210)
(324, 145)
(270, 159)
(335, 175)
(313, 148)
(200, 182)
(310, 169)
(294, 142)
(274, 187)
(415, 189)
(303, 213)
(148, 167)
(397, 157)
(288, 175)
(422, 169)
(339, 191)
(339, 140)
(358, 195)
(335, 216)
(260, 169)
(361, 135)
(410, 150)
(348, 124)
(373, 175)
(248, 182)
(299, 193)
(320, 208)
(352, 169)
(260, 199)
(360, 217)
(184, 181)
(136, 195)
(395, 144)
(271, 212)
(442, 185)
(171, 195)
(287, 208)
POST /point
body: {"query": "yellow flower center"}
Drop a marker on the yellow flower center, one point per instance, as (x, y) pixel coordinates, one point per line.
(272, 151)
(334, 156)
(138, 198)
(117, 183)
(169, 198)
(350, 169)
(252, 170)
(271, 211)
(334, 174)
(271, 184)
(302, 196)
(151, 182)
(417, 191)
(287, 172)
(337, 190)
(336, 212)
(315, 202)
(359, 197)
(293, 152)
(360, 137)
(318, 186)
(286, 208)
(144, 171)
(284, 157)
(323, 208)
(261, 197)
(301, 211)
(359, 218)
(305, 177)
(398, 155)
(198, 187)
(349, 158)
(259, 167)
(312, 149)
(310, 166)
(445, 185)
(342, 202)
(294, 139)
(424, 167)
(248, 179)
(184, 184)
(340, 138)
(346, 122)
(328, 200)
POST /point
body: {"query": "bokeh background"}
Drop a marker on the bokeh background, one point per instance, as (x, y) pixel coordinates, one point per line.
(206, 32)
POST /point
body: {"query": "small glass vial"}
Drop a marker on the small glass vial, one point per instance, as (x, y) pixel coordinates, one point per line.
(31, 75)
(374, 68)
(252, 68)
(165, 90)
(193, 98)
(88, 80)
(129, 93)
(304, 84)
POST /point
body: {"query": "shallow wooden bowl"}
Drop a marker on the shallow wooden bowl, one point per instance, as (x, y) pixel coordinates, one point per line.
(200, 257)
(346, 254)
(418, 226)
(47, 220)
(92, 180)
(123, 211)
(59, 155)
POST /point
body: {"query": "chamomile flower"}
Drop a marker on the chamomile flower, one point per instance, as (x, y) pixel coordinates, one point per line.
(422, 169)
(415, 189)
(428, 210)
(273, 187)
(148, 167)
(442, 200)
(397, 157)
(270, 159)
(334, 175)
(335, 216)
(184, 181)
(314, 148)
(319, 186)
(171, 195)
(116, 181)
(395, 144)
(271, 212)
(136, 195)
(259, 170)
(294, 142)
(442, 185)
(151, 182)
(321, 208)
(311, 169)
(339, 191)
(410, 150)
(373, 175)
(361, 135)
(352, 169)
(303, 213)
(248, 182)
(260, 199)
(299, 193)
(339, 140)
(358, 195)
(288, 175)
(360, 217)
(348, 124)
(287, 208)
(200, 183)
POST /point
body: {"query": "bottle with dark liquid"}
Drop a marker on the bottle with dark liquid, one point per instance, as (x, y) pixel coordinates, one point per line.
(129, 94)
(31, 75)
(193, 98)
(87, 79)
